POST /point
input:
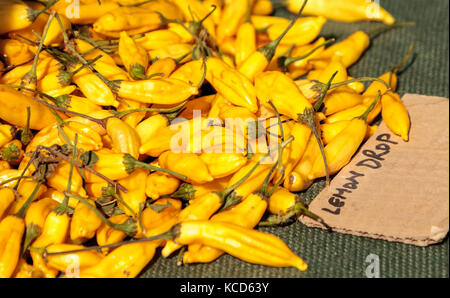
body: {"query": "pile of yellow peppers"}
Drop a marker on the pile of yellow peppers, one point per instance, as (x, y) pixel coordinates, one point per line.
(95, 94)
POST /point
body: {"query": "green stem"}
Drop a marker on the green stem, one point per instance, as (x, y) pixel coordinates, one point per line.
(318, 104)
(26, 134)
(396, 68)
(22, 211)
(132, 164)
(34, 14)
(370, 108)
(31, 76)
(284, 61)
(161, 111)
(169, 235)
(127, 227)
(269, 49)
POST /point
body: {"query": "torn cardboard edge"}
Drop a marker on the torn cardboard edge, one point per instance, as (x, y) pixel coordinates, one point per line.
(395, 190)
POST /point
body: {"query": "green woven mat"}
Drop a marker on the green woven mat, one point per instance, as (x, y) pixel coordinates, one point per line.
(338, 255)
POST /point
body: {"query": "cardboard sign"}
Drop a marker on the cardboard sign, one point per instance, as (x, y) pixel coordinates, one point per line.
(395, 190)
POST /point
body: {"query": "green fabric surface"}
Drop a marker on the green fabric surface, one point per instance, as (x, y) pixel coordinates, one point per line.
(330, 254)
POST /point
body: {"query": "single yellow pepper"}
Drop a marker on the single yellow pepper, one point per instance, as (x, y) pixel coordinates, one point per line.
(14, 109)
(150, 126)
(233, 14)
(26, 189)
(246, 244)
(179, 51)
(5, 134)
(183, 163)
(341, 148)
(134, 57)
(344, 10)
(191, 72)
(245, 43)
(234, 86)
(395, 115)
(134, 20)
(15, 52)
(66, 262)
(155, 91)
(60, 177)
(340, 99)
(160, 184)
(38, 211)
(124, 138)
(304, 30)
(84, 223)
(54, 34)
(223, 164)
(107, 235)
(135, 196)
(161, 38)
(262, 7)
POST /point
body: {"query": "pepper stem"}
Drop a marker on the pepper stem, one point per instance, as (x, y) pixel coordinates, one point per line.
(319, 86)
(22, 211)
(185, 192)
(308, 118)
(370, 108)
(318, 104)
(284, 61)
(128, 227)
(110, 191)
(132, 164)
(31, 76)
(64, 206)
(161, 111)
(269, 49)
(33, 14)
(169, 235)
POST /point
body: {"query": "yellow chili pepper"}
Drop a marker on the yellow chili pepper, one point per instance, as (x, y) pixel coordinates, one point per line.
(345, 10)
(5, 134)
(350, 49)
(245, 43)
(234, 86)
(191, 72)
(107, 235)
(342, 147)
(395, 115)
(25, 189)
(155, 222)
(89, 139)
(155, 91)
(84, 13)
(66, 262)
(196, 10)
(135, 196)
(340, 99)
(124, 137)
(298, 179)
(60, 178)
(297, 148)
(233, 14)
(223, 164)
(14, 52)
(262, 7)
(38, 211)
(82, 46)
(134, 20)
(160, 184)
(174, 51)
(14, 109)
(150, 126)
(126, 261)
(15, 75)
(6, 198)
(59, 197)
(95, 89)
(84, 223)
(161, 38)
(25, 270)
(8, 174)
(17, 15)
(183, 163)
(12, 228)
(304, 30)
(191, 192)
(202, 104)
(134, 57)
(162, 67)
(330, 130)
(246, 244)
(54, 35)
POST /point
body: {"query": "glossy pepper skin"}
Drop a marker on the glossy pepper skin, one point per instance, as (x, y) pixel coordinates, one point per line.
(12, 229)
(249, 245)
(155, 91)
(38, 211)
(162, 67)
(6, 198)
(160, 184)
(16, 15)
(84, 223)
(60, 178)
(304, 31)
(134, 57)
(135, 196)
(14, 109)
(14, 51)
(126, 261)
(344, 10)
(245, 42)
(5, 134)
(395, 115)
(233, 14)
(55, 231)
(64, 262)
(124, 138)
(183, 163)
(234, 86)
